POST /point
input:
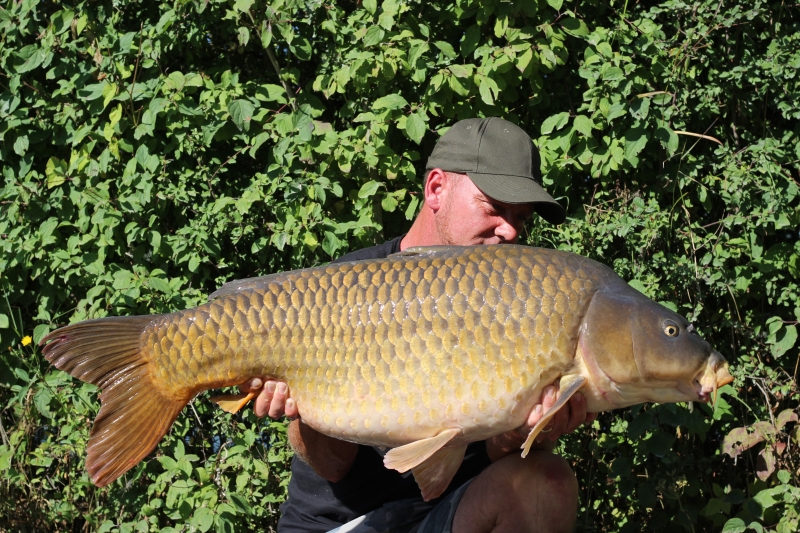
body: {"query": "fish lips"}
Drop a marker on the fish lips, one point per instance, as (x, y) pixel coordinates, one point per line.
(712, 377)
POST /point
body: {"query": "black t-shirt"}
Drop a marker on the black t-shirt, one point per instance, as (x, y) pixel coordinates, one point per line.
(316, 505)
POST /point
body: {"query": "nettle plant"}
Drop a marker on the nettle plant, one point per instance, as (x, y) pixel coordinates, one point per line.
(152, 151)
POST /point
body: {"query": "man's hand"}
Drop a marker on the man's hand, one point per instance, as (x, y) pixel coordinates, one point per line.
(566, 420)
(273, 400)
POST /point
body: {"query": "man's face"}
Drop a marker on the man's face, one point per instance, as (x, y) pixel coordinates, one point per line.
(467, 216)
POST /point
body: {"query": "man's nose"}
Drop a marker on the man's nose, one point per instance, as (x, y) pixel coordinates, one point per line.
(507, 231)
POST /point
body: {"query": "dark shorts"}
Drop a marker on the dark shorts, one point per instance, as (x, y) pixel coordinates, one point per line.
(408, 516)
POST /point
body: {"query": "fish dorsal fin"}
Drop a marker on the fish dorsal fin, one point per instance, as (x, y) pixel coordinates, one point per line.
(567, 388)
(406, 457)
(419, 251)
(434, 475)
(232, 287)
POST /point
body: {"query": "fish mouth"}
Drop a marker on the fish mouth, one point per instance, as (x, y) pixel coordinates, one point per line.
(713, 376)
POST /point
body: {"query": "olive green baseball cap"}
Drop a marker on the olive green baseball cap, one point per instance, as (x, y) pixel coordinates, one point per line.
(500, 159)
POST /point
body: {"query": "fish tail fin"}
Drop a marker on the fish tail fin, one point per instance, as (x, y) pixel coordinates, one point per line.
(134, 414)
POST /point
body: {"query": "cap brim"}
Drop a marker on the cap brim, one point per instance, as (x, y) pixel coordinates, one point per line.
(519, 190)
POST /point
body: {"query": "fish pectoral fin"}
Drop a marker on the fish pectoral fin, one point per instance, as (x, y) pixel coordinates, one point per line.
(568, 386)
(404, 458)
(435, 474)
(233, 403)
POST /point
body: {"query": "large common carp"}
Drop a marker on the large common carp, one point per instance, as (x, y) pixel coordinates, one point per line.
(424, 351)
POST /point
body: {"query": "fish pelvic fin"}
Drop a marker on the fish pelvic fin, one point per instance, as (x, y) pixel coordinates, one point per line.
(233, 403)
(435, 474)
(134, 416)
(404, 458)
(568, 386)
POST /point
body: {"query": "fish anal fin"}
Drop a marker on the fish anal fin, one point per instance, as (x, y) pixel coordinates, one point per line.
(233, 403)
(435, 474)
(568, 386)
(404, 458)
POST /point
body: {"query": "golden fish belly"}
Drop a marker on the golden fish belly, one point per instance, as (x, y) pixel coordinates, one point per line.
(386, 352)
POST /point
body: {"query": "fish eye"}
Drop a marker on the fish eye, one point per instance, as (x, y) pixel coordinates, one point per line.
(671, 328)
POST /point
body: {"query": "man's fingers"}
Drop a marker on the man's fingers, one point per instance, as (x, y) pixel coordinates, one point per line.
(251, 385)
(278, 404)
(577, 412)
(559, 423)
(261, 405)
(291, 409)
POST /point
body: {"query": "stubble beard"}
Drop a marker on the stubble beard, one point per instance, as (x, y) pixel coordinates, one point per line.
(443, 221)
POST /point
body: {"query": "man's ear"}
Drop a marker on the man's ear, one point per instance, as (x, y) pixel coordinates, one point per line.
(435, 188)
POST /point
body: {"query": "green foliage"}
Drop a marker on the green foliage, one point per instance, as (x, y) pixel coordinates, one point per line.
(151, 152)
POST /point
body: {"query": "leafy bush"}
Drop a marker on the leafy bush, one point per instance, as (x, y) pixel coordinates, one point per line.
(151, 152)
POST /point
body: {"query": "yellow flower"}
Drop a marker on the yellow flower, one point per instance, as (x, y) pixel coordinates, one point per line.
(26, 340)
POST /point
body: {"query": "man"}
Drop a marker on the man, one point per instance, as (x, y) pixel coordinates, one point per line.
(481, 187)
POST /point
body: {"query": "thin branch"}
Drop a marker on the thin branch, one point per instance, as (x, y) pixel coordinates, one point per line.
(225, 163)
(135, 74)
(274, 60)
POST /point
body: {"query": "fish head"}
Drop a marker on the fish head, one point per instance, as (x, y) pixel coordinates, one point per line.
(636, 350)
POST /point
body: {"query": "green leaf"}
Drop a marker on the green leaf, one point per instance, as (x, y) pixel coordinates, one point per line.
(33, 61)
(470, 41)
(257, 142)
(109, 92)
(266, 35)
(446, 48)
(369, 189)
(415, 127)
(411, 210)
(3, 321)
(734, 525)
(786, 342)
(371, 6)
(243, 6)
(56, 172)
(21, 145)
(203, 519)
(555, 122)
(244, 35)
(555, 4)
(668, 139)
(461, 71)
(39, 332)
(583, 124)
(392, 101)
(93, 91)
(374, 35)
(270, 92)
(62, 20)
(613, 74)
(486, 93)
(240, 503)
(241, 112)
(635, 141)
(575, 27)
(331, 244)
(301, 47)
(42, 401)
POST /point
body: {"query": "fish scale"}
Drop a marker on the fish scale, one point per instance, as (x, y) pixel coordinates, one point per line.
(475, 325)
(423, 352)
